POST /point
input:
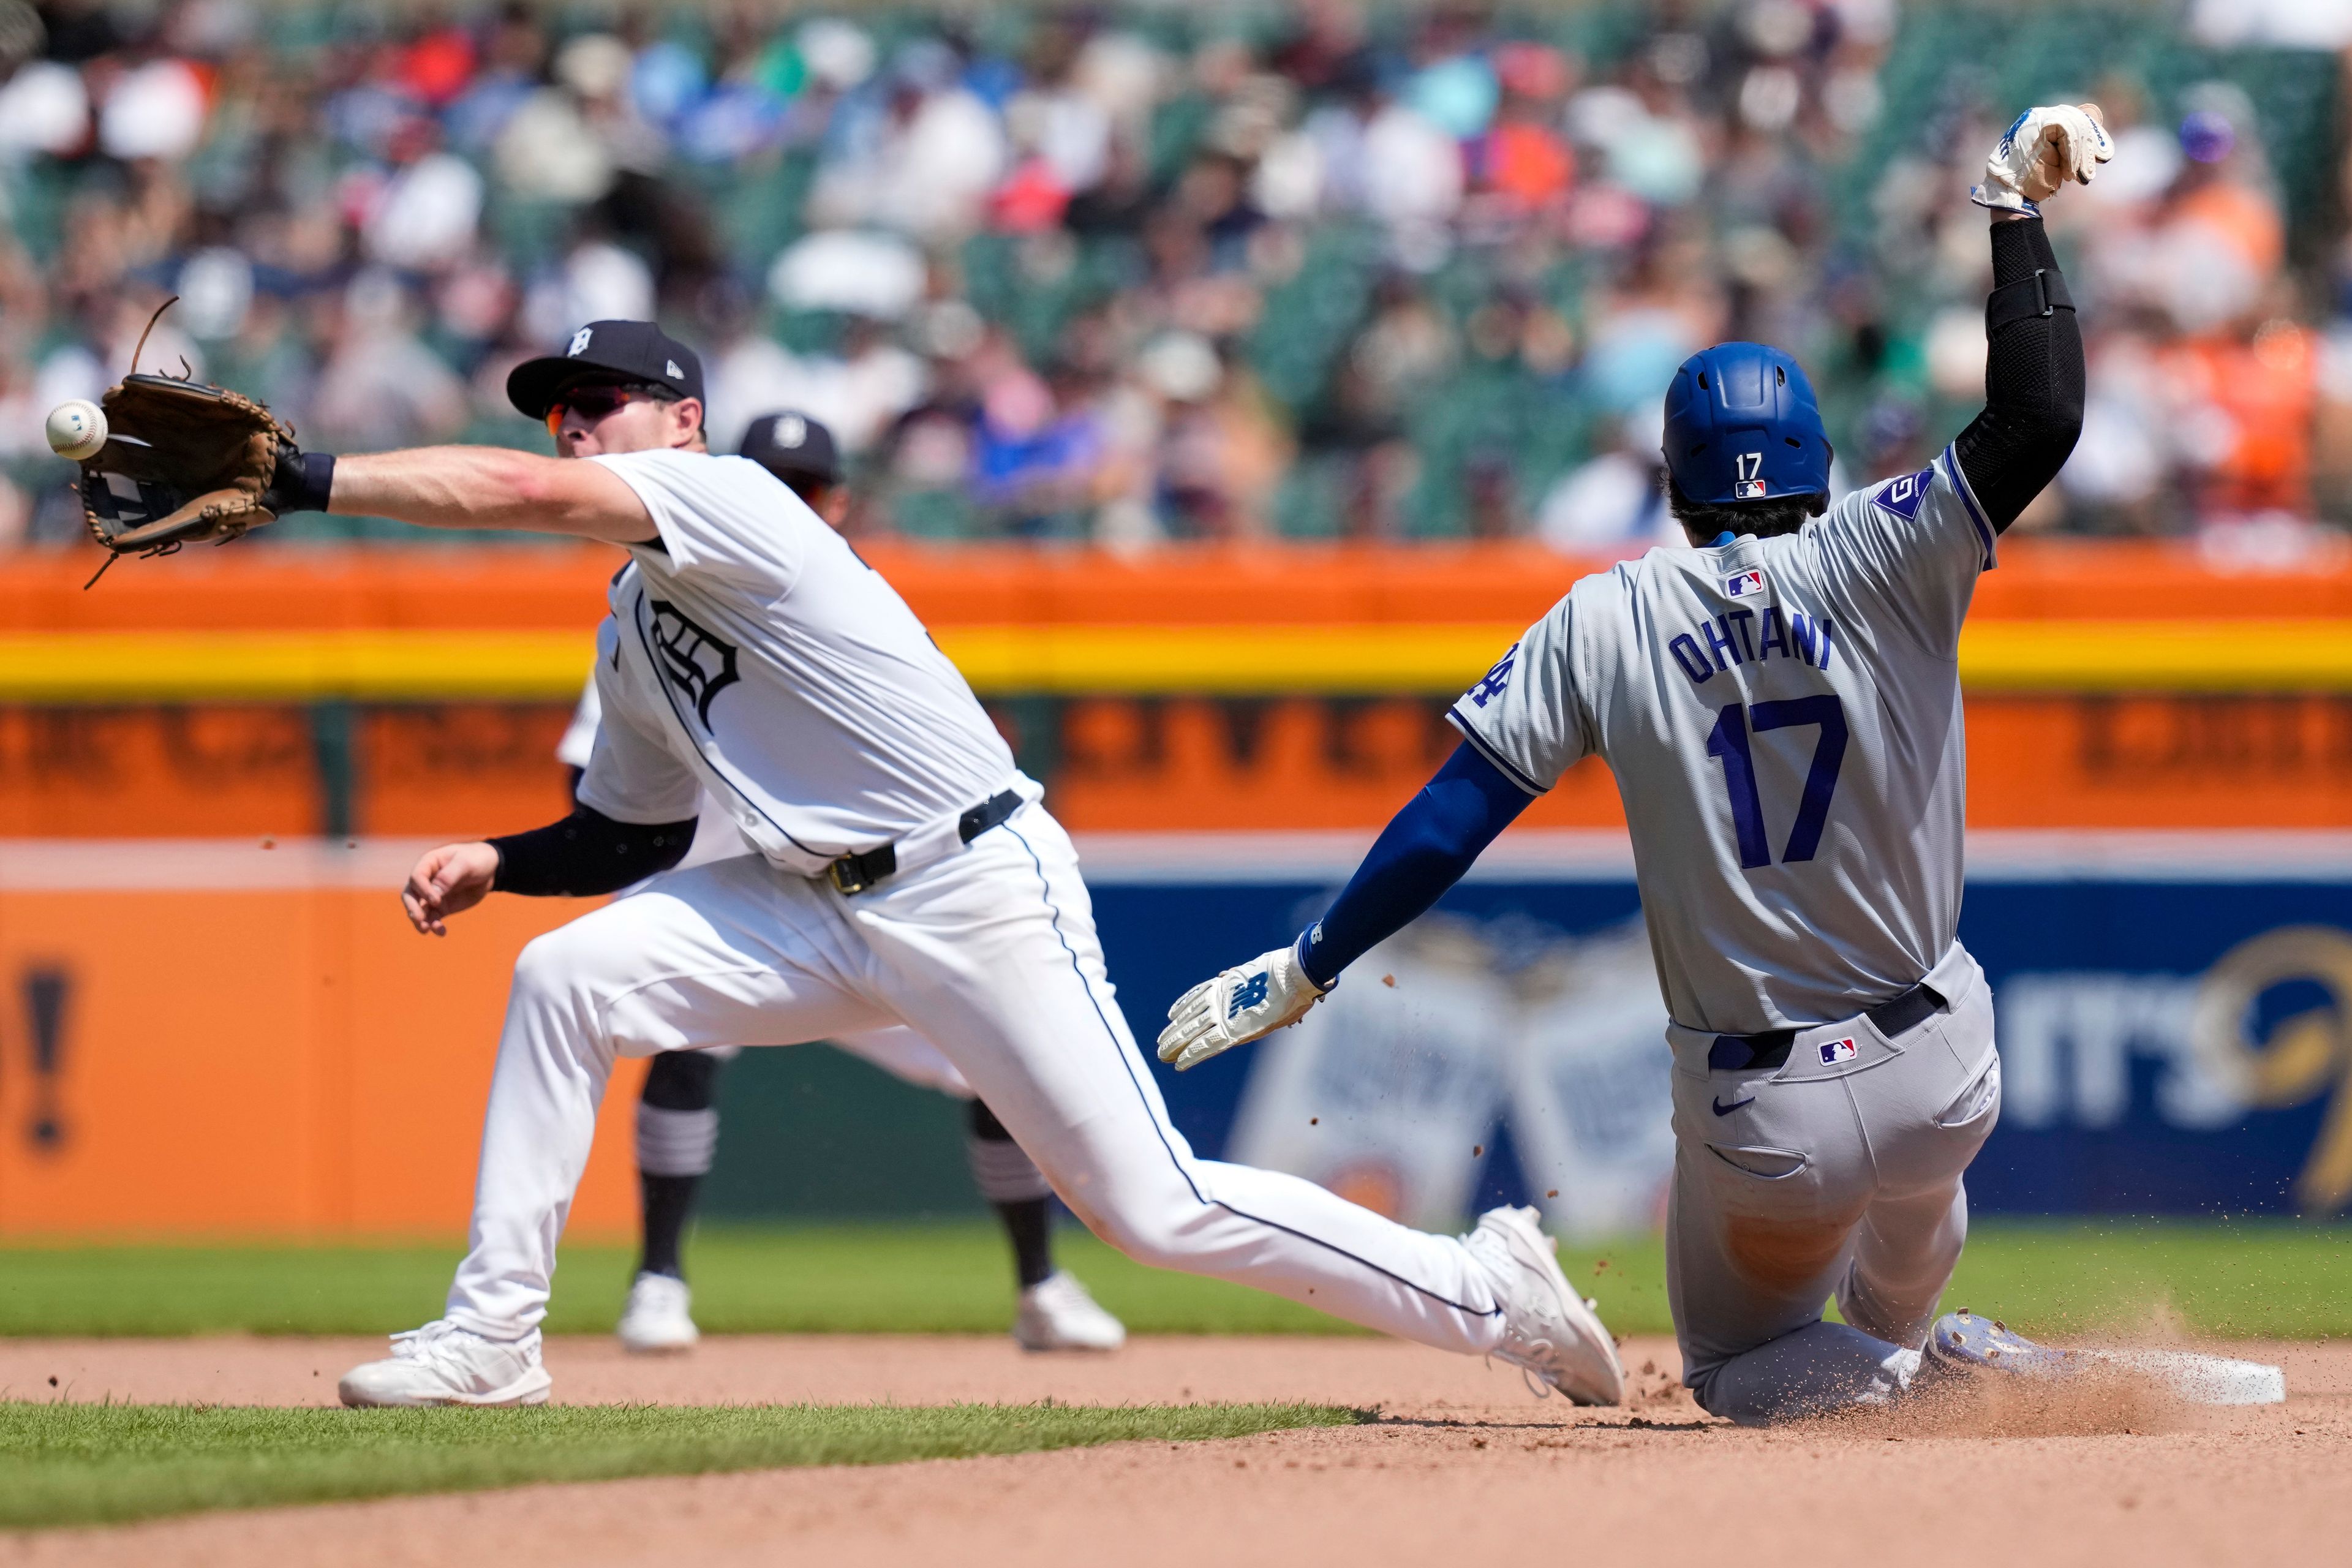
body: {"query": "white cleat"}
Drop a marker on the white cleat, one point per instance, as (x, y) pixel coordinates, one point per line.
(1056, 1314)
(656, 1321)
(441, 1363)
(1548, 1330)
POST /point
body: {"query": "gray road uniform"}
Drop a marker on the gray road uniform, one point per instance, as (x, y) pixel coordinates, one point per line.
(1783, 717)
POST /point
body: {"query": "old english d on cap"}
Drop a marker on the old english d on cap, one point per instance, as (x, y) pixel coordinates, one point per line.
(607, 351)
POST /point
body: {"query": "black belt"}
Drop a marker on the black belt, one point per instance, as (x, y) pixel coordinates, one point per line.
(856, 873)
(1769, 1051)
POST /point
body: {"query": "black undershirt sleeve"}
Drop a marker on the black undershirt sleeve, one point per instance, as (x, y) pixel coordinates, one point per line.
(587, 853)
(2034, 376)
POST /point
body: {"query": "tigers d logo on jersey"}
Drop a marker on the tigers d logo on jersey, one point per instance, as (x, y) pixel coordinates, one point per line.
(694, 659)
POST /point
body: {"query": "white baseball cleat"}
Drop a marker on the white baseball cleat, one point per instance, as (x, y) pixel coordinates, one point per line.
(656, 1321)
(1548, 1330)
(1056, 1314)
(1963, 1343)
(441, 1363)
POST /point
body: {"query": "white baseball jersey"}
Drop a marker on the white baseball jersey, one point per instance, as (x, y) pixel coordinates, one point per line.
(751, 654)
(716, 836)
(1783, 717)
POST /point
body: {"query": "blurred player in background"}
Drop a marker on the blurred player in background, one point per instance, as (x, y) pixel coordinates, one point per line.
(1781, 705)
(678, 1113)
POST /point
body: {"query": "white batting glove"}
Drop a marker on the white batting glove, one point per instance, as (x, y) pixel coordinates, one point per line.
(1270, 992)
(2045, 149)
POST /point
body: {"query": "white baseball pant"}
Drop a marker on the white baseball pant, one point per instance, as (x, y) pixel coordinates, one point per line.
(1836, 1174)
(991, 955)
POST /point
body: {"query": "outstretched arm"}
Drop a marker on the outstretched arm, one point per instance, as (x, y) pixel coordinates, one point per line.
(489, 487)
(2034, 375)
(1424, 850)
(2033, 359)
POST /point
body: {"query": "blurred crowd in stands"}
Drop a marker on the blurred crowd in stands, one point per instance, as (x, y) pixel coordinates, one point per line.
(1135, 271)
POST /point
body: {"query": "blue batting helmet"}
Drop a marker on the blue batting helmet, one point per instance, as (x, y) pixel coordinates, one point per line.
(1742, 424)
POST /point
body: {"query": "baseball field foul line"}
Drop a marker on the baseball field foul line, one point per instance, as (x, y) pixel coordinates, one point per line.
(1067, 660)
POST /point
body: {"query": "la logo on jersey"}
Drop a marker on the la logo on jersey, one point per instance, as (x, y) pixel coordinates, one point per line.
(1836, 1052)
(1495, 679)
(693, 658)
(1902, 496)
(1746, 584)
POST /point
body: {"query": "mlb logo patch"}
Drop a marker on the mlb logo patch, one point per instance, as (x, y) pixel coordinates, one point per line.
(1744, 585)
(1836, 1052)
(1747, 489)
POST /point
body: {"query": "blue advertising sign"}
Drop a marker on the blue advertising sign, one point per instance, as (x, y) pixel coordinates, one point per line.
(2174, 1014)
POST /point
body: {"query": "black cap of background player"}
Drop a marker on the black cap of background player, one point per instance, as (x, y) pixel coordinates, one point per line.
(793, 446)
(607, 351)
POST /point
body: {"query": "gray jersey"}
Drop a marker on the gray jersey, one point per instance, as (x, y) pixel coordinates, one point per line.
(1783, 717)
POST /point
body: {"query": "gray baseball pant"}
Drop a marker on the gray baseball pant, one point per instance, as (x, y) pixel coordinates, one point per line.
(1836, 1174)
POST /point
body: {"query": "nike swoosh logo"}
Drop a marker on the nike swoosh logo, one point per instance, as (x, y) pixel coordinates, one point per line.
(1722, 1109)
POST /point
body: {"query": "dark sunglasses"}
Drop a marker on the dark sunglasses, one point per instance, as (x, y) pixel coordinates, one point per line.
(597, 399)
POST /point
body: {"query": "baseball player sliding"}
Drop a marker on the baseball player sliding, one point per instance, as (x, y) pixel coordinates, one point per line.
(677, 1112)
(906, 873)
(1780, 706)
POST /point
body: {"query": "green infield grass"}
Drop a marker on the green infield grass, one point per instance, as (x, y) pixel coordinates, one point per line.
(2256, 1278)
(107, 1464)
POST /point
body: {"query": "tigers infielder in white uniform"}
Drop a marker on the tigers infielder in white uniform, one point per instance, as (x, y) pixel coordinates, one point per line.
(677, 1109)
(1781, 705)
(907, 874)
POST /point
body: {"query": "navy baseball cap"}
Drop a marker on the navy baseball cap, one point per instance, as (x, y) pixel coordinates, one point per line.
(794, 445)
(607, 351)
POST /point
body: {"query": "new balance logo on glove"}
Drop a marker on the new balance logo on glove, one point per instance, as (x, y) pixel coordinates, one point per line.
(1269, 993)
(1249, 994)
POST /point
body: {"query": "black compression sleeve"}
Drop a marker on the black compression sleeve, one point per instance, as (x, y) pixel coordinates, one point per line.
(587, 853)
(2033, 377)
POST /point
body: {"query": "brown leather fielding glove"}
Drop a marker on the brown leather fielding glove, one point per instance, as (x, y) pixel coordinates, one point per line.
(182, 462)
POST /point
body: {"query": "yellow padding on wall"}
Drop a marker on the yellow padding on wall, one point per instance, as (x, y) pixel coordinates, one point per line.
(1247, 660)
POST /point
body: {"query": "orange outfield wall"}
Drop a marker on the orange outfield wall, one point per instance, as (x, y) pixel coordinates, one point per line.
(2125, 761)
(2279, 757)
(281, 1061)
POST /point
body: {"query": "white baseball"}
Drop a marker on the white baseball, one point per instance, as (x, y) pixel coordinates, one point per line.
(77, 429)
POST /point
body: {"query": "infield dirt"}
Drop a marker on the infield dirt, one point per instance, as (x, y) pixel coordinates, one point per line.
(1462, 1465)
